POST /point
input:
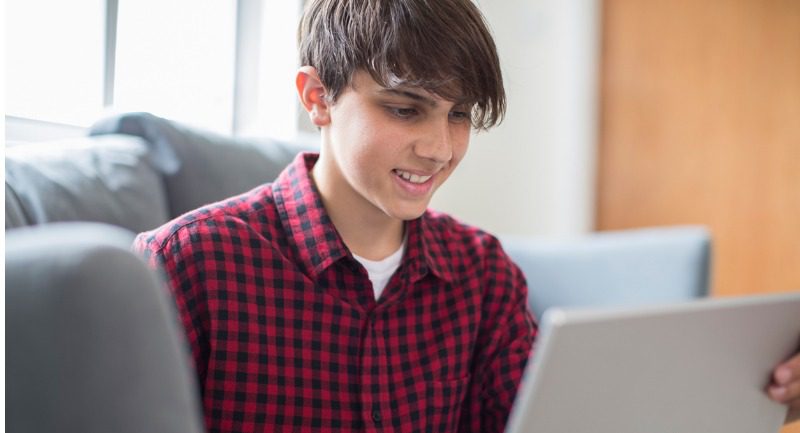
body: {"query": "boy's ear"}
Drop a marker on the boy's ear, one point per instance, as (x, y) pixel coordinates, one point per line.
(312, 95)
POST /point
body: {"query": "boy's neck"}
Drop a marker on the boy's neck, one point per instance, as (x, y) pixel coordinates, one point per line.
(367, 231)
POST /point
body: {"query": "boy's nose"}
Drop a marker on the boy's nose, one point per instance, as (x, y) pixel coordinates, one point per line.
(436, 144)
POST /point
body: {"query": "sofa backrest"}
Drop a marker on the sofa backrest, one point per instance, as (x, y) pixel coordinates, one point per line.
(201, 167)
(109, 179)
(135, 171)
(632, 267)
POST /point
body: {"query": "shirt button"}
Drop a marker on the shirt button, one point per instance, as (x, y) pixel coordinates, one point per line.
(376, 416)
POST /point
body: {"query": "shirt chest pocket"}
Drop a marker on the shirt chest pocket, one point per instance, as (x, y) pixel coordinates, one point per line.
(434, 406)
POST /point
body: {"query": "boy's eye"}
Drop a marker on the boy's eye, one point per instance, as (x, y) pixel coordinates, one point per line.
(459, 116)
(402, 112)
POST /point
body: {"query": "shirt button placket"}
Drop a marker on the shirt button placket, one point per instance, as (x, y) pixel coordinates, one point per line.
(371, 403)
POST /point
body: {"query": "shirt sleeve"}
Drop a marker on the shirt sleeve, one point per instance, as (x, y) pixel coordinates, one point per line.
(506, 338)
(176, 258)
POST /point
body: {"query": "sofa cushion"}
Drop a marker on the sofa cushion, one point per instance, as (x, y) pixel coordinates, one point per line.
(15, 216)
(103, 179)
(202, 167)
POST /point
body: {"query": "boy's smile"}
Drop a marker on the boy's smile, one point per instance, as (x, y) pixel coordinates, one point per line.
(385, 151)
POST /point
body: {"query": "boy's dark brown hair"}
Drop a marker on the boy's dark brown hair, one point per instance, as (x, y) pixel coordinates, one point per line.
(442, 46)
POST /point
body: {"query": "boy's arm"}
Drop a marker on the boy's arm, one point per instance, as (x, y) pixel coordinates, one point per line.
(507, 334)
(173, 258)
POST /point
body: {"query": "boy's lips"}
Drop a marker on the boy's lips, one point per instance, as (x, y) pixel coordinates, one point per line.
(415, 184)
(413, 177)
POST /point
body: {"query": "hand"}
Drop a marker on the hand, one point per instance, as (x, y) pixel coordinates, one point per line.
(785, 386)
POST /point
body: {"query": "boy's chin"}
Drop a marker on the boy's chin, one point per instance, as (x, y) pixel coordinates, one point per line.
(408, 213)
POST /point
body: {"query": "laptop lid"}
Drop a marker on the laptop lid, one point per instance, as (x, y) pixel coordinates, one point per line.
(697, 367)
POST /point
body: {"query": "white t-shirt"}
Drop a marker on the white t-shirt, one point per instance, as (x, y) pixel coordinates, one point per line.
(381, 271)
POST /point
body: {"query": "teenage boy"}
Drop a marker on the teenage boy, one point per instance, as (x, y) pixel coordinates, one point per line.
(332, 300)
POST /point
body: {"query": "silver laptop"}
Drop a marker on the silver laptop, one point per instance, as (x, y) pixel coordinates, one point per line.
(699, 367)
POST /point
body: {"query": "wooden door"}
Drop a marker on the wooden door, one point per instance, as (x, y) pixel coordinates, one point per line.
(700, 124)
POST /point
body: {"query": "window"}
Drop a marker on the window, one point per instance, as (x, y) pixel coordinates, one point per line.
(54, 59)
(224, 65)
(176, 58)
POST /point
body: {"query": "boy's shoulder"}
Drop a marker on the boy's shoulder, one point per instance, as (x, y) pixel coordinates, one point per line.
(250, 211)
(458, 237)
(461, 252)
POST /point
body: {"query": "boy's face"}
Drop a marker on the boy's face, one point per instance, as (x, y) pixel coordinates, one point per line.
(389, 150)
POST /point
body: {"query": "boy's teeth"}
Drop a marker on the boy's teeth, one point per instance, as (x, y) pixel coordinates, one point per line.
(413, 178)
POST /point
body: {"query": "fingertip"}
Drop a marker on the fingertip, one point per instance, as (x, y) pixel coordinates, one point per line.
(777, 393)
(783, 375)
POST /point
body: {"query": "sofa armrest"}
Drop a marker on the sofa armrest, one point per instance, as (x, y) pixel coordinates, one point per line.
(93, 341)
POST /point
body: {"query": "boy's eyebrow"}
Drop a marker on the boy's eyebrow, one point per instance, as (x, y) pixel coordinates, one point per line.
(411, 95)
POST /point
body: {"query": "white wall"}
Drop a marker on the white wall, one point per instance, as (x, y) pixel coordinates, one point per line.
(535, 173)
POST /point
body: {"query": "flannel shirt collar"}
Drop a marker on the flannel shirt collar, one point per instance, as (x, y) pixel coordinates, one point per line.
(426, 250)
(318, 243)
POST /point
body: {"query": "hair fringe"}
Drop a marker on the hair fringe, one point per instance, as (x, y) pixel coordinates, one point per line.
(442, 46)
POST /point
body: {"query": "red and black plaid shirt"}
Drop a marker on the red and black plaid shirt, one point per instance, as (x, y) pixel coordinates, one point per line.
(287, 336)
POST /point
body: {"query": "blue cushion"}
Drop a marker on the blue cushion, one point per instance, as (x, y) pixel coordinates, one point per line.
(630, 267)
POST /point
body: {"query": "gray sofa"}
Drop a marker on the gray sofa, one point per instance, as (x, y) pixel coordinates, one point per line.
(136, 171)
